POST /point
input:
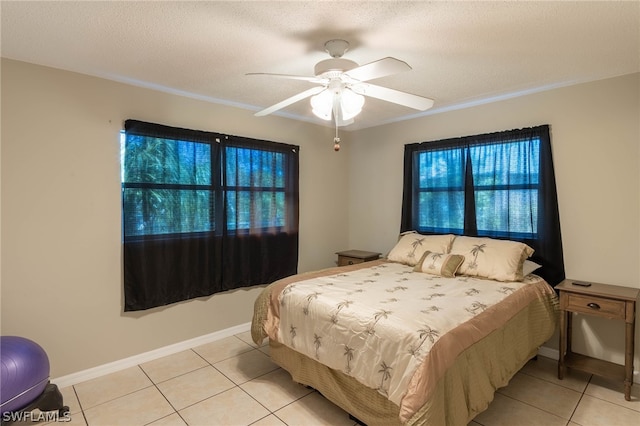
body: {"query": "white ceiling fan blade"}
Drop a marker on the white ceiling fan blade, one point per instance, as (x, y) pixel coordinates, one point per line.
(391, 95)
(291, 100)
(381, 68)
(290, 77)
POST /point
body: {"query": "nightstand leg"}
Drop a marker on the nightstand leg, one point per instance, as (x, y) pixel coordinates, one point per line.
(569, 331)
(563, 343)
(628, 359)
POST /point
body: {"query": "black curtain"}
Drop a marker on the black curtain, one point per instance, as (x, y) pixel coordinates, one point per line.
(491, 164)
(236, 232)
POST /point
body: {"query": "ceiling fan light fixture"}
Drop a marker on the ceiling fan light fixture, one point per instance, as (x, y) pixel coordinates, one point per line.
(322, 104)
(351, 103)
(329, 101)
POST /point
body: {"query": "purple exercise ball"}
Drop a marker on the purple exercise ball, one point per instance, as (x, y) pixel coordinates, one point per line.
(25, 372)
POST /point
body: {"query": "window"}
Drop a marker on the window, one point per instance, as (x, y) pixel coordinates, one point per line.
(255, 187)
(204, 212)
(505, 183)
(498, 185)
(167, 186)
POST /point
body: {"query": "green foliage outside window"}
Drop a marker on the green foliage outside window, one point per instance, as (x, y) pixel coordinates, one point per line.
(169, 187)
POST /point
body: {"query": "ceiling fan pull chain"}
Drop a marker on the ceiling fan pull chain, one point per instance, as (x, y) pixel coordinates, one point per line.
(336, 140)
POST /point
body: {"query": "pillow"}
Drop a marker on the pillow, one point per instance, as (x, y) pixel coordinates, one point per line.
(528, 267)
(411, 246)
(498, 260)
(441, 264)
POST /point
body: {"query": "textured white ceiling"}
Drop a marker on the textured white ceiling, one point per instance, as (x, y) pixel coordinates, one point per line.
(462, 53)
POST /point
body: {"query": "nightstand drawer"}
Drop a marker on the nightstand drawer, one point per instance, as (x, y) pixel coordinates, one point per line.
(344, 260)
(353, 257)
(594, 305)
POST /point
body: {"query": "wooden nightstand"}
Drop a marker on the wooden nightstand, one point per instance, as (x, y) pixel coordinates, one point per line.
(351, 257)
(606, 301)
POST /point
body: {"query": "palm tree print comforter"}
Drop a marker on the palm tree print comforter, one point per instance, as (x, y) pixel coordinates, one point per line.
(393, 329)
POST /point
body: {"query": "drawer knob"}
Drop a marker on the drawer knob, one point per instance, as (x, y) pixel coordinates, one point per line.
(351, 262)
(593, 305)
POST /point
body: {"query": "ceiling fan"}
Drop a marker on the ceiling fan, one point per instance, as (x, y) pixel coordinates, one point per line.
(343, 85)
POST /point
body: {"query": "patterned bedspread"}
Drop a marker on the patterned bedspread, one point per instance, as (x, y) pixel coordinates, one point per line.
(394, 330)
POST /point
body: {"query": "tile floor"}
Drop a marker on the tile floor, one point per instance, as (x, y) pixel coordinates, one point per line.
(232, 382)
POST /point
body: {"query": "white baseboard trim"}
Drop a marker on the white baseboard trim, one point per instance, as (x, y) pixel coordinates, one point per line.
(112, 367)
(549, 353)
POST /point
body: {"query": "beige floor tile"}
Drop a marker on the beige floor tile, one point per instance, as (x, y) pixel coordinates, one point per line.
(269, 421)
(542, 394)
(139, 408)
(232, 408)
(547, 369)
(314, 410)
(194, 387)
(111, 386)
(265, 349)
(244, 387)
(170, 420)
(246, 366)
(613, 391)
(222, 349)
(276, 389)
(505, 411)
(597, 412)
(246, 337)
(70, 399)
(174, 365)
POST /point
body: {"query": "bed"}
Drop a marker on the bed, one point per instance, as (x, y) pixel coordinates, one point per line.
(422, 337)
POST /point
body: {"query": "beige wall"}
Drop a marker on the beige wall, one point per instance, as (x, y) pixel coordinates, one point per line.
(60, 198)
(595, 141)
(61, 272)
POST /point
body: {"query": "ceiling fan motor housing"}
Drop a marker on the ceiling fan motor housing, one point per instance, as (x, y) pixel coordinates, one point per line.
(336, 48)
(335, 66)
